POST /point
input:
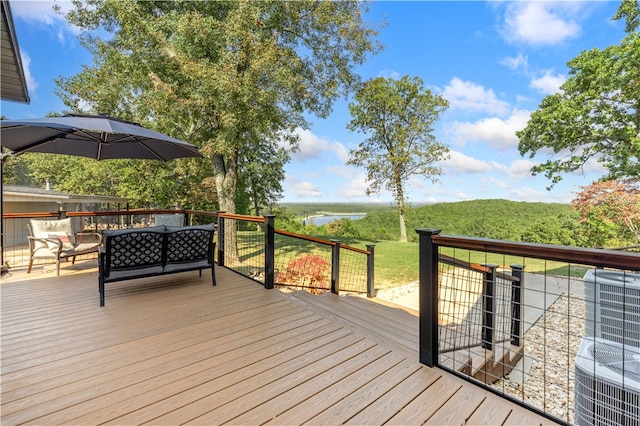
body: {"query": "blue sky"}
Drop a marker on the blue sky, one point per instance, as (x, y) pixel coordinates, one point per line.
(493, 61)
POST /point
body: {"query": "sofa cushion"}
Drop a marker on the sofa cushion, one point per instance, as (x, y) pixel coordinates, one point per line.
(121, 274)
(177, 266)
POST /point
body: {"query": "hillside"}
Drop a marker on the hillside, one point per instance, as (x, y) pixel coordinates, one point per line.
(306, 209)
(501, 219)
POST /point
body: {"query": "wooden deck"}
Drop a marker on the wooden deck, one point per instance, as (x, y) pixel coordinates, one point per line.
(174, 350)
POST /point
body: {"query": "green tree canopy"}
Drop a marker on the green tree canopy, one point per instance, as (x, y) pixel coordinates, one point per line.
(228, 76)
(596, 114)
(398, 118)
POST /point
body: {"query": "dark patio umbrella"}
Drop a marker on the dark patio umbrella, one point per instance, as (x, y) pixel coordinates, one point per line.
(94, 136)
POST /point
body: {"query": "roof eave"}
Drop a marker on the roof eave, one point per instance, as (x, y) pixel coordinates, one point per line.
(14, 84)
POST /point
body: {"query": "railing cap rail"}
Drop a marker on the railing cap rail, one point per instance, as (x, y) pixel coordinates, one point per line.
(580, 255)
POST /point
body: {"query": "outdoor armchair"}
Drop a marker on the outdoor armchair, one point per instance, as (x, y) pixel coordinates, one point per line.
(55, 239)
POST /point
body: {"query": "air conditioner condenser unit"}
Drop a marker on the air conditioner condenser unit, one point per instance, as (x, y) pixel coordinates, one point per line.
(612, 305)
(607, 383)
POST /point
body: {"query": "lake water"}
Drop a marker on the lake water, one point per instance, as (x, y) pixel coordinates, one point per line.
(323, 220)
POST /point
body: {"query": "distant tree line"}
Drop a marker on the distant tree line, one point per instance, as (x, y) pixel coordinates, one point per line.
(580, 224)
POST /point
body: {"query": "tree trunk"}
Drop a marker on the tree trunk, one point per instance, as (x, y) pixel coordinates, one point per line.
(403, 225)
(402, 211)
(226, 178)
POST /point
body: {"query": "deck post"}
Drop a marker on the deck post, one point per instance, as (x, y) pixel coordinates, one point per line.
(370, 271)
(488, 307)
(335, 267)
(428, 276)
(269, 251)
(517, 271)
(220, 240)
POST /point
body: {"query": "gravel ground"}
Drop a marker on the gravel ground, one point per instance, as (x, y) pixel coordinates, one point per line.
(551, 345)
(393, 293)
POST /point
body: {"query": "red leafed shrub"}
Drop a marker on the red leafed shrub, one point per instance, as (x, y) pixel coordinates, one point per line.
(307, 271)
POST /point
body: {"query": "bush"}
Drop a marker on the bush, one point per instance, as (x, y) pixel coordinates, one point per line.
(310, 271)
(342, 228)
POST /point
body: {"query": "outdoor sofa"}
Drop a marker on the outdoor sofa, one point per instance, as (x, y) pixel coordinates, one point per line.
(144, 252)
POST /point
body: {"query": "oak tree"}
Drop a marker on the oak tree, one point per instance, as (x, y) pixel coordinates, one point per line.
(596, 114)
(397, 117)
(224, 75)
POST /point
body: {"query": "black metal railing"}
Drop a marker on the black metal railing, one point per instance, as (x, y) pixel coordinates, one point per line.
(253, 247)
(527, 321)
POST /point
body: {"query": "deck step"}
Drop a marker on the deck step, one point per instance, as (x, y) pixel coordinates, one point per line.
(482, 364)
(500, 364)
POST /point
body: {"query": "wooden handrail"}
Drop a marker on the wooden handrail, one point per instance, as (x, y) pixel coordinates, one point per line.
(28, 215)
(585, 256)
(107, 213)
(305, 237)
(320, 241)
(257, 219)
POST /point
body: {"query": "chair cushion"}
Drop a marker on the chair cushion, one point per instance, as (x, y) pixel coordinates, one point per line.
(169, 219)
(84, 248)
(115, 232)
(42, 229)
(64, 239)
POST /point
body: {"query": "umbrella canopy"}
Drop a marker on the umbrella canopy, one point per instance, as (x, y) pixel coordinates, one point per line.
(94, 136)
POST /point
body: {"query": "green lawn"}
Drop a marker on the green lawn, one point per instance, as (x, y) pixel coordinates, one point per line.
(397, 263)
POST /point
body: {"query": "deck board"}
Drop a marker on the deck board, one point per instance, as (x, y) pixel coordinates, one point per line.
(176, 350)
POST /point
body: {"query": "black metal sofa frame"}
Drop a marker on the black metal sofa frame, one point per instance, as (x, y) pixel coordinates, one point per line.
(159, 250)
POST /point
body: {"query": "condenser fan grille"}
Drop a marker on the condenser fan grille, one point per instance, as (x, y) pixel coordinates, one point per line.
(617, 360)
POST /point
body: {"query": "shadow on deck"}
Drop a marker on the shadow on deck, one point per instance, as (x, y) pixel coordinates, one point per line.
(174, 350)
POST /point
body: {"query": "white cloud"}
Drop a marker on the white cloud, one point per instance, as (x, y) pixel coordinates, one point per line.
(592, 166)
(496, 132)
(39, 11)
(534, 195)
(42, 13)
(493, 182)
(548, 83)
(312, 147)
(460, 196)
(459, 163)
(302, 188)
(544, 81)
(467, 95)
(541, 23)
(32, 84)
(517, 169)
(388, 73)
(520, 62)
